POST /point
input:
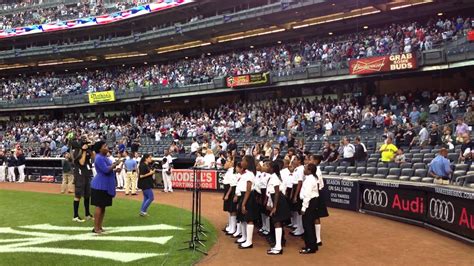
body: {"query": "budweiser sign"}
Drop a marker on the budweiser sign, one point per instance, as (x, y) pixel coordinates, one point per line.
(383, 64)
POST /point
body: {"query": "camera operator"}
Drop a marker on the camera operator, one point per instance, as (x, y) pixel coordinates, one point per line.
(83, 158)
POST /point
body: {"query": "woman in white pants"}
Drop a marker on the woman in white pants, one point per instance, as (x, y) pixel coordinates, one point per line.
(166, 166)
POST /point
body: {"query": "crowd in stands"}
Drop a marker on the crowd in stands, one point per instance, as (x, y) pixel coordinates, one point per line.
(60, 12)
(405, 120)
(283, 59)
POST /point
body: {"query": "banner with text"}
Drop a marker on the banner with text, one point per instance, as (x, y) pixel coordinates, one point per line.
(247, 80)
(451, 210)
(387, 63)
(342, 193)
(101, 97)
(184, 178)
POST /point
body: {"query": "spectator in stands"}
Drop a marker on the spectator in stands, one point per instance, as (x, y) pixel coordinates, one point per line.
(400, 157)
(415, 116)
(434, 109)
(447, 139)
(276, 154)
(209, 160)
(388, 151)
(461, 129)
(409, 135)
(434, 137)
(360, 154)
(440, 168)
(467, 150)
(348, 151)
(334, 154)
(469, 116)
(194, 146)
(423, 136)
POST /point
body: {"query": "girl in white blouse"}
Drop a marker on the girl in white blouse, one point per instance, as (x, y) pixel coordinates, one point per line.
(277, 206)
(309, 195)
(247, 207)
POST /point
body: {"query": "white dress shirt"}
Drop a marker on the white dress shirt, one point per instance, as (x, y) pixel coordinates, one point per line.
(298, 174)
(309, 190)
(242, 183)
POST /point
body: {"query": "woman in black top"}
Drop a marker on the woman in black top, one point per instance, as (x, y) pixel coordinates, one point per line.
(145, 183)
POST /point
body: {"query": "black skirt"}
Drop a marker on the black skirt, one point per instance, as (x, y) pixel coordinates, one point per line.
(322, 209)
(252, 209)
(283, 212)
(262, 201)
(100, 198)
(312, 210)
(296, 207)
(229, 205)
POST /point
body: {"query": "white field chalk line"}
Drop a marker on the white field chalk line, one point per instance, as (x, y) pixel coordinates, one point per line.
(25, 245)
(111, 255)
(49, 227)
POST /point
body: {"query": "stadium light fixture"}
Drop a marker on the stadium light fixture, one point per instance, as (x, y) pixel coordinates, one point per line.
(279, 42)
(251, 46)
(330, 33)
(124, 55)
(208, 53)
(414, 3)
(366, 27)
(440, 13)
(186, 57)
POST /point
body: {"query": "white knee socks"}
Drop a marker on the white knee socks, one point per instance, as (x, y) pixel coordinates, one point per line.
(238, 230)
(318, 233)
(278, 236)
(249, 235)
(227, 228)
(233, 221)
(243, 228)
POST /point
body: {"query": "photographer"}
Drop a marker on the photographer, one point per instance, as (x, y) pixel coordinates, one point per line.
(145, 182)
(83, 158)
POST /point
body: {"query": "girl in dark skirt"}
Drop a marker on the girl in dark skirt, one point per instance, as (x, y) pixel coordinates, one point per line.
(298, 178)
(278, 206)
(322, 209)
(230, 182)
(247, 207)
(309, 209)
(261, 196)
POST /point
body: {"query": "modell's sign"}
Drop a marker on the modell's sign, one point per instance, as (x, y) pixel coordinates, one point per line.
(247, 80)
(184, 178)
(382, 64)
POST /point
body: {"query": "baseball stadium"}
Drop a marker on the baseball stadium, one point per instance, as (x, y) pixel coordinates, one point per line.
(243, 132)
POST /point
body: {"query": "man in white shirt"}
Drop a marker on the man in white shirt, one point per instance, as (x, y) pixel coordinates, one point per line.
(348, 151)
(424, 136)
(194, 146)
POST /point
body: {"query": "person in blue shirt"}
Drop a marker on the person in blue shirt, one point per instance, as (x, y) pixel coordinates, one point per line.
(130, 165)
(414, 116)
(103, 184)
(440, 168)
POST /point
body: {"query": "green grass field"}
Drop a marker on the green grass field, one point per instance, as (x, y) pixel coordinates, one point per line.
(124, 236)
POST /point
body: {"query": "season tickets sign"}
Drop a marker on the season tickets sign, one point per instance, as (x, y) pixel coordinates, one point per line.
(383, 64)
(100, 97)
(247, 80)
(184, 178)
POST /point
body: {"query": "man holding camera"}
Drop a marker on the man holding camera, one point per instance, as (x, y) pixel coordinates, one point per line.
(83, 158)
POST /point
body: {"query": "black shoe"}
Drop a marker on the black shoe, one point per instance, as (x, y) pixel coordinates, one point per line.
(241, 247)
(320, 244)
(274, 252)
(239, 236)
(228, 234)
(308, 251)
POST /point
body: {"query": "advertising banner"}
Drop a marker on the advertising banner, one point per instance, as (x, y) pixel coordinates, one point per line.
(378, 64)
(247, 80)
(451, 210)
(391, 198)
(184, 178)
(101, 97)
(342, 193)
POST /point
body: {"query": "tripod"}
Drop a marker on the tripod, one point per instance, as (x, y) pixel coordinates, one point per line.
(197, 228)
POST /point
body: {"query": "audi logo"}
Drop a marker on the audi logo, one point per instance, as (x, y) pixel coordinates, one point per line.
(375, 197)
(442, 210)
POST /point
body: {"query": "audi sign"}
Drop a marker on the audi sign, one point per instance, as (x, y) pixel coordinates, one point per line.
(394, 201)
(441, 210)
